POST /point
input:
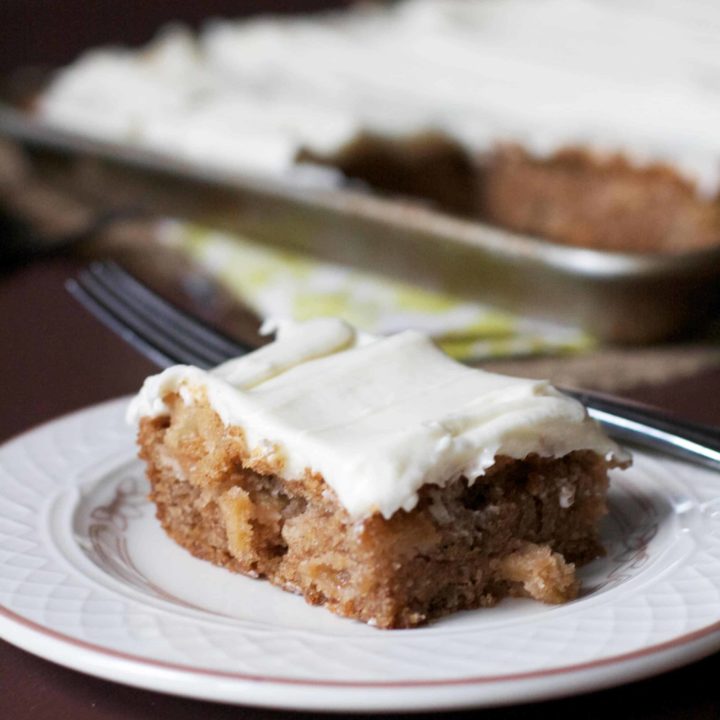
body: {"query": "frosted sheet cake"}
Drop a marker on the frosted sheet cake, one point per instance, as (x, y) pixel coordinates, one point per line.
(376, 476)
(590, 122)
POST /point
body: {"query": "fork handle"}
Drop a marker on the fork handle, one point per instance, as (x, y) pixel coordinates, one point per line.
(646, 426)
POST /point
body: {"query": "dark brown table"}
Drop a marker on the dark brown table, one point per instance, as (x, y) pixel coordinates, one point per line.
(55, 358)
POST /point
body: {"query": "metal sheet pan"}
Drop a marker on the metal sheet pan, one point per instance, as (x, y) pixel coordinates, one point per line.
(614, 296)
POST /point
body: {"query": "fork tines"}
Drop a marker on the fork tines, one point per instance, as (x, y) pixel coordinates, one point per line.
(161, 331)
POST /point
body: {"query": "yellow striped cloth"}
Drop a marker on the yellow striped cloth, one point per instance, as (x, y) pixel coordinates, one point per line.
(277, 283)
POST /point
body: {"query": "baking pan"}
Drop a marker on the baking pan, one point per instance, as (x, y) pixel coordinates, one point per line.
(616, 297)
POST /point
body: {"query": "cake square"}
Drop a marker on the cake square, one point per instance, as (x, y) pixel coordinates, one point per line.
(376, 476)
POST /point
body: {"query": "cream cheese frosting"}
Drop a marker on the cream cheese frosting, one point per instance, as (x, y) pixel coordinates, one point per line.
(378, 418)
(641, 77)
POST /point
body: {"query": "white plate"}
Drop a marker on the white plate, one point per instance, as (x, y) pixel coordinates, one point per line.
(89, 580)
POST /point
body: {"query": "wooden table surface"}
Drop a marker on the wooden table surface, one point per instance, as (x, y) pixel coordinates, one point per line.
(55, 358)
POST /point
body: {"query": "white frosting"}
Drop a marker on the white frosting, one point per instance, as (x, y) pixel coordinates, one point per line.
(637, 76)
(378, 418)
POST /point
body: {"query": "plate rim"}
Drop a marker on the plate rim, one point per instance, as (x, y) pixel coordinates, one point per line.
(658, 648)
(341, 695)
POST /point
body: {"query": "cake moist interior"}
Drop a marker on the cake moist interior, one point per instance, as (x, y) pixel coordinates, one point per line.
(573, 196)
(518, 530)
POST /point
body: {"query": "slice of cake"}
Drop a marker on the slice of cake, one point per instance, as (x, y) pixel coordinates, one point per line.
(376, 476)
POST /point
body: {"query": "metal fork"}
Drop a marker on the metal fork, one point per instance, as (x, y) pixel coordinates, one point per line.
(168, 336)
(161, 331)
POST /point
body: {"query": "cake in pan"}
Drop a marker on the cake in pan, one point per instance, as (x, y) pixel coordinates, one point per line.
(376, 476)
(586, 122)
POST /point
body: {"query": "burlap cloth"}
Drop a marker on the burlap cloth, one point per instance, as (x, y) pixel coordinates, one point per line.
(40, 217)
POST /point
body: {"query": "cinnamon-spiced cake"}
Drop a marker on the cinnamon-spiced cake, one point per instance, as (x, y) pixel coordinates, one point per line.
(376, 476)
(585, 122)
